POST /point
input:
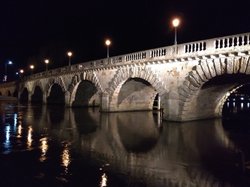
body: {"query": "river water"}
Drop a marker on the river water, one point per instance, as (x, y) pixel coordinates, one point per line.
(63, 147)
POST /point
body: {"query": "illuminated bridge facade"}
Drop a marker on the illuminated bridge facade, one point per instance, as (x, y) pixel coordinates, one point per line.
(189, 81)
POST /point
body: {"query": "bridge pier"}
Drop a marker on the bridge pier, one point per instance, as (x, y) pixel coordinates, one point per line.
(67, 99)
(45, 98)
(104, 105)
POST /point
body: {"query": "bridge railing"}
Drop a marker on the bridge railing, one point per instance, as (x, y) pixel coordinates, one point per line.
(197, 48)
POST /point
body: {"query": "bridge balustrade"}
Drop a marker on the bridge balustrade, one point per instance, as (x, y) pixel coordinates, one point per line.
(232, 41)
(203, 47)
(195, 47)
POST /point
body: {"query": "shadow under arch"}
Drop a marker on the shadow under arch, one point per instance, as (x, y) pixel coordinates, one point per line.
(37, 97)
(86, 95)
(24, 96)
(56, 96)
(207, 101)
(135, 94)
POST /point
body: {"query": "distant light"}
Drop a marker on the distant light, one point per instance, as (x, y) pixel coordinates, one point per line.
(32, 66)
(17, 73)
(46, 61)
(21, 71)
(10, 62)
(176, 22)
(242, 98)
(69, 53)
(108, 42)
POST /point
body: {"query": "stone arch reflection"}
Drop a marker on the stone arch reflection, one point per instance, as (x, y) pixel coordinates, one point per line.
(86, 119)
(138, 131)
(56, 115)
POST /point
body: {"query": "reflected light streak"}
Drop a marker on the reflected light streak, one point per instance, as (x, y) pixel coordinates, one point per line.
(19, 131)
(66, 158)
(29, 138)
(248, 104)
(15, 121)
(44, 148)
(241, 106)
(7, 137)
(104, 179)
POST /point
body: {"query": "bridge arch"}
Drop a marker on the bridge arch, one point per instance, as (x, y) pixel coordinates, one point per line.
(207, 86)
(55, 91)
(86, 84)
(37, 95)
(36, 85)
(37, 92)
(24, 95)
(129, 84)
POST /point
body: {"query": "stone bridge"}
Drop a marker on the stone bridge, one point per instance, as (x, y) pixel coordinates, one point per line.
(189, 81)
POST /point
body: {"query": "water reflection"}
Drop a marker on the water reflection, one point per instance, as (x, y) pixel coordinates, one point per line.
(7, 143)
(66, 158)
(138, 146)
(19, 131)
(104, 179)
(44, 148)
(29, 137)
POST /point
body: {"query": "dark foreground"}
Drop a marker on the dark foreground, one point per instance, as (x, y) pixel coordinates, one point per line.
(53, 146)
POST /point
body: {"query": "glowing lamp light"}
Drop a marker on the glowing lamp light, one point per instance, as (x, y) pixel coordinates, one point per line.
(176, 22)
(32, 67)
(69, 53)
(46, 61)
(108, 42)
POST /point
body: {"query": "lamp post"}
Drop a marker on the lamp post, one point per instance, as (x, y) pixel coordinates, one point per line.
(175, 23)
(69, 53)
(5, 70)
(46, 61)
(32, 67)
(21, 72)
(107, 43)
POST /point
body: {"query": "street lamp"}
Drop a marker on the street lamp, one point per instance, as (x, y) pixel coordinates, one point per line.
(5, 70)
(175, 23)
(32, 67)
(46, 61)
(69, 53)
(107, 43)
(21, 72)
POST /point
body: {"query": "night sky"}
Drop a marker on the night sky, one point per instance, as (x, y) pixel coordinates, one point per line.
(32, 30)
